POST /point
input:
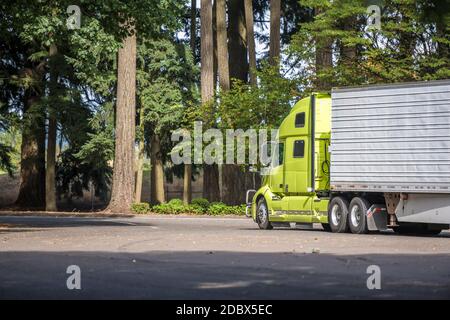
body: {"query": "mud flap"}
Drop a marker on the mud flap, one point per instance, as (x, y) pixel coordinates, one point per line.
(377, 218)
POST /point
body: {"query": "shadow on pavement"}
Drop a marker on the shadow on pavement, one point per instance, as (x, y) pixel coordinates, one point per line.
(15, 224)
(222, 275)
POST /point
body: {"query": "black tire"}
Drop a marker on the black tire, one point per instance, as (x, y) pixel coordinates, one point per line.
(416, 229)
(357, 219)
(262, 215)
(338, 215)
(326, 227)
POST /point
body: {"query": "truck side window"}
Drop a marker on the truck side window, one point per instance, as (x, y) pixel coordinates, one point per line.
(280, 153)
(300, 120)
(299, 148)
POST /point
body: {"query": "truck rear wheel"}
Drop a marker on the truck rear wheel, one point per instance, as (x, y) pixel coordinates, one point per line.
(357, 220)
(262, 215)
(338, 215)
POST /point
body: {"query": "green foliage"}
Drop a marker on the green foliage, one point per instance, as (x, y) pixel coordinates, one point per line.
(413, 43)
(198, 207)
(175, 202)
(140, 208)
(262, 106)
(201, 203)
(5, 159)
(220, 209)
(171, 208)
(166, 87)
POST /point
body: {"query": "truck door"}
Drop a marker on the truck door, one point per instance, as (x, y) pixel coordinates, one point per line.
(296, 165)
(276, 172)
(296, 175)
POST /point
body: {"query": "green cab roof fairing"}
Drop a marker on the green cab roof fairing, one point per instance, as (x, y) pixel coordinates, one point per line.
(323, 118)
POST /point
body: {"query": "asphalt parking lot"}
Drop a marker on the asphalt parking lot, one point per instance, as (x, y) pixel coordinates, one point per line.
(155, 257)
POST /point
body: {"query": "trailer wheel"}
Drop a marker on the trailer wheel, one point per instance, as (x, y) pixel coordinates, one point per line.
(357, 220)
(338, 215)
(262, 215)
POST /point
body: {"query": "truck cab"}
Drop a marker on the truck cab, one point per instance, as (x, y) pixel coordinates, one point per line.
(297, 185)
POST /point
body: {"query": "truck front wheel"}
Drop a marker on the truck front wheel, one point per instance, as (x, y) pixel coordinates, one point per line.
(338, 215)
(262, 215)
(357, 220)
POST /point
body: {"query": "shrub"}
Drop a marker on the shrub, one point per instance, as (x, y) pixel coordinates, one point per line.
(200, 202)
(198, 207)
(140, 208)
(175, 202)
(220, 209)
(195, 209)
(168, 208)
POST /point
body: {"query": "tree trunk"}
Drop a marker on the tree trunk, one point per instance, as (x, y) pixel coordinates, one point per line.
(157, 189)
(123, 176)
(187, 184)
(140, 162)
(275, 40)
(443, 48)
(250, 40)
(50, 173)
(237, 44)
(32, 156)
(324, 59)
(187, 178)
(207, 52)
(211, 189)
(193, 26)
(348, 53)
(222, 46)
(210, 176)
(215, 57)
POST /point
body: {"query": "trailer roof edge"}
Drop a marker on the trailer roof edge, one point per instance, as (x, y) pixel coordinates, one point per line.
(391, 85)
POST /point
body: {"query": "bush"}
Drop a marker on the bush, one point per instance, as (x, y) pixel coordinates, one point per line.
(195, 209)
(175, 202)
(198, 206)
(169, 208)
(200, 202)
(220, 209)
(140, 208)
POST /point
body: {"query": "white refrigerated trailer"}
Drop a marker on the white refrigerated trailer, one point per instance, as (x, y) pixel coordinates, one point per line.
(390, 144)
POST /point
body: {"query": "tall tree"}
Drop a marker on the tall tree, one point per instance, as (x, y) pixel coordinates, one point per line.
(323, 58)
(158, 195)
(193, 26)
(237, 44)
(210, 172)
(207, 68)
(50, 172)
(222, 45)
(275, 37)
(250, 40)
(140, 158)
(187, 173)
(123, 175)
(32, 164)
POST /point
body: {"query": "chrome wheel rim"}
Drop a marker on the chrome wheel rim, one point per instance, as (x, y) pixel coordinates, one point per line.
(336, 214)
(355, 215)
(262, 213)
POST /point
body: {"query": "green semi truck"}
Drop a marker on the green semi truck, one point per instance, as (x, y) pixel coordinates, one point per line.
(362, 159)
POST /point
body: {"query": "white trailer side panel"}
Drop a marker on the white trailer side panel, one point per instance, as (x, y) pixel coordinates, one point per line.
(393, 138)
